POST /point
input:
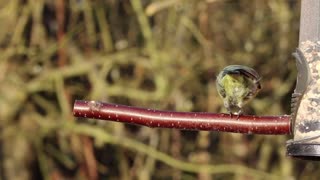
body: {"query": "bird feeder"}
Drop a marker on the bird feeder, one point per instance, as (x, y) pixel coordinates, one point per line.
(306, 97)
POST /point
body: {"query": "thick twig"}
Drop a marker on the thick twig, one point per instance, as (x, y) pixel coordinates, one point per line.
(183, 120)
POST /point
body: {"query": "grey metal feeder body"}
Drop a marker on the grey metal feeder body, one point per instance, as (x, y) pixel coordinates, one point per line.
(306, 97)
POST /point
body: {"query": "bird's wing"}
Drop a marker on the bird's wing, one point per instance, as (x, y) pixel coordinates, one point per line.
(220, 89)
(239, 69)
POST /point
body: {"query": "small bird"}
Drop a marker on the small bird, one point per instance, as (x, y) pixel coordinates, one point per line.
(237, 85)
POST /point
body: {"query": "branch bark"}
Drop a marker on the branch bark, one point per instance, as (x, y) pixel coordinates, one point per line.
(274, 125)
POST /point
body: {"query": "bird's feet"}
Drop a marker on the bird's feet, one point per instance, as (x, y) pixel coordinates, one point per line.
(237, 113)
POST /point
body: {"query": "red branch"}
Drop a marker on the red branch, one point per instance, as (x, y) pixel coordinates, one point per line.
(183, 120)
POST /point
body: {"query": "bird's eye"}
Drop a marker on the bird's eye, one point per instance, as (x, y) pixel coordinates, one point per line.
(259, 86)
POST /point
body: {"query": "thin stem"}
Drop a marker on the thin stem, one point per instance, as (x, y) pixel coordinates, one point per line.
(183, 120)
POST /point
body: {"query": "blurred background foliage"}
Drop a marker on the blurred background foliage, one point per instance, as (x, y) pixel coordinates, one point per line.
(162, 54)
